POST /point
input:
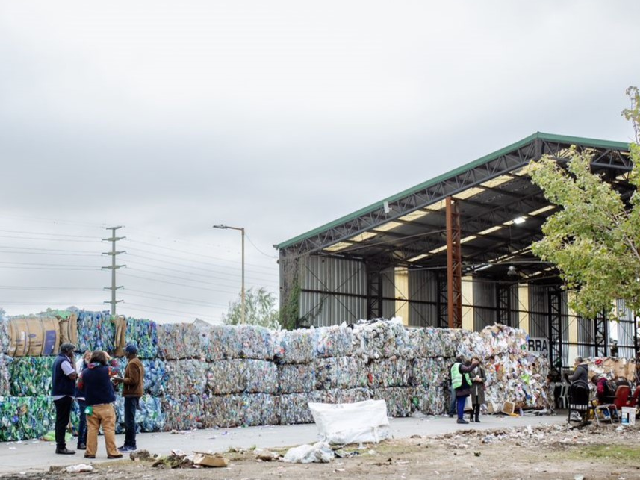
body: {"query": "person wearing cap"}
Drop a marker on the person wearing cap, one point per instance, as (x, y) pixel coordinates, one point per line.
(132, 391)
(63, 389)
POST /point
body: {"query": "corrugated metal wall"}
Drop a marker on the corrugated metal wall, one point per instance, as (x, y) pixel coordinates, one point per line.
(484, 303)
(423, 287)
(389, 291)
(333, 290)
(539, 316)
(626, 330)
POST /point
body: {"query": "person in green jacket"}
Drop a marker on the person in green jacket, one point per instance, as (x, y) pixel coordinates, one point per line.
(461, 383)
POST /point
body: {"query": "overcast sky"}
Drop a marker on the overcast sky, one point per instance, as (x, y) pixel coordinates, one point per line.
(275, 116)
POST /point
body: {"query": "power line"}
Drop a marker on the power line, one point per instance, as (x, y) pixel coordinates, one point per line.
(49, 239)
(175, 283)
(260, 251)
(210, 276)
(171, 300)
(51, 288)
(190, 253)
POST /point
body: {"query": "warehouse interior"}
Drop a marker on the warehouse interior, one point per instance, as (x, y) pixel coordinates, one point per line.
(455, 251)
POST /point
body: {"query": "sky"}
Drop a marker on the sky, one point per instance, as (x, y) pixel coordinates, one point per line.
(168, 117)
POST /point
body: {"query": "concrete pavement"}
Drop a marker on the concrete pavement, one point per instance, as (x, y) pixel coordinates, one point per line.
(34, 455)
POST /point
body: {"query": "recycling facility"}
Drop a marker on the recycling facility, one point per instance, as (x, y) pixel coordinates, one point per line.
(199, 375)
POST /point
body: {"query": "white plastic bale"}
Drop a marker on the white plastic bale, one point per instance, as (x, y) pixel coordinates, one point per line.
(390, 372)
(185, 377)
(382, 339)
(334, 341)
(431, 371)
(296, 378)
(179, 341)
(296, 346)
(340, 372)
(255, 342)
(259, 409)
(260, 376)
(226, 376)
(219, 342)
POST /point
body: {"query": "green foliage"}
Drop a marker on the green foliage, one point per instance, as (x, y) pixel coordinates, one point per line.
(290, 312)
(595, 238)
(259, 310)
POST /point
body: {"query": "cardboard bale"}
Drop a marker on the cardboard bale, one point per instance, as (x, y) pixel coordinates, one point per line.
(33, 337)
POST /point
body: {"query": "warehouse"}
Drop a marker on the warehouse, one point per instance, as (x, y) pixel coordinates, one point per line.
(455, 251)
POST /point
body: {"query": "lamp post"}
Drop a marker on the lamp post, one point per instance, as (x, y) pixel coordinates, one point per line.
(242, 297)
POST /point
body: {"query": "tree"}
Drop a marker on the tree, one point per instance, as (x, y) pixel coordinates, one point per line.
(259, 310)
(595, 238)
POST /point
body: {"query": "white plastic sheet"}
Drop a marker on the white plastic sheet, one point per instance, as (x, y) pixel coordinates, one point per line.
(351, 422)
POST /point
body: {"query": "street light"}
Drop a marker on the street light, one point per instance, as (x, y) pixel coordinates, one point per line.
(241, 230)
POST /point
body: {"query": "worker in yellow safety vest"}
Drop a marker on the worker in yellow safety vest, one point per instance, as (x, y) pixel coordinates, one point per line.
(461, 383)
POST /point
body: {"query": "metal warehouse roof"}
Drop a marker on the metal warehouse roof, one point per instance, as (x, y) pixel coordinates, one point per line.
(501, 210)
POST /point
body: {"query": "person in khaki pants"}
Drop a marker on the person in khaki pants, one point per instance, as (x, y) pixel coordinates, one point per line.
(99, 398)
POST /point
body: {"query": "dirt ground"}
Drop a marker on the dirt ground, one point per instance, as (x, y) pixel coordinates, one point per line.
(550, 452)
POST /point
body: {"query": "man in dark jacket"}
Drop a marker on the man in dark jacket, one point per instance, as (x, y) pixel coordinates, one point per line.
(63, 389)
(461, 382)
(132, 391)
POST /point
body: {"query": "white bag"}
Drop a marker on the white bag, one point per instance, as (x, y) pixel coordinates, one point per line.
(360, 422)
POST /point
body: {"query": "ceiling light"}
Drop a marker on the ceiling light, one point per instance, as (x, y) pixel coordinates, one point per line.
(519, 220)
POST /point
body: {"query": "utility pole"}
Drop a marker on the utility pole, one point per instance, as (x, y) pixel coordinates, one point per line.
(113, 267)
(242, 293)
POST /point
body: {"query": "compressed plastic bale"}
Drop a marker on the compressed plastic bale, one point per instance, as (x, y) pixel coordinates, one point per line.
(294, 346)
(259, 409)
(182, 413)
(390, 372)
(473, 344)
(431, 371)
(225, 411)
(399, 400)
(225, 376)
(340, 372)
(155, 376)
(5, 338)
(293, 408)
(381, 339)
(24, 418)
(96, 331)
(296, 378)
(31, 376)
(260, 376)
(179, 341)
(5, 383)
(334, 341)
(503, 339)
(431, 400)
(144, 334)
(185, 377)
(255, 342)
(219, 342)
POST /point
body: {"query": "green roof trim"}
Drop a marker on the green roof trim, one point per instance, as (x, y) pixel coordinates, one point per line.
(587, 142)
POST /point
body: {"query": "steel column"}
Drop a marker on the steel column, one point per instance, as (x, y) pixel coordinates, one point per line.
(374, 295)
(454, 264)
(442, 300)
(601, 334)
(555, 328)
(503, 301)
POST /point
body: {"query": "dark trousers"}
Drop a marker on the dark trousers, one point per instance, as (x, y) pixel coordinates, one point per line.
(63, 411)
(82, 425)
(475, 411)
(460, 402)
(452, 405)
(130, 407)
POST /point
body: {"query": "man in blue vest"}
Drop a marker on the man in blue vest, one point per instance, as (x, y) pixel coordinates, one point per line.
(461, 383)
(63, 390)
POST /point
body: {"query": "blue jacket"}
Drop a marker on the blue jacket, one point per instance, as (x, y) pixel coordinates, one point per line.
(96, 384)
(61, 384)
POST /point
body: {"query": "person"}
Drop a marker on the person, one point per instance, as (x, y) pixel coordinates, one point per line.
(63, 387)
(461, 383)
(132, 391)
(579, 391)
(601, 389)
(81, 364)
(99, 398)
(477, 391)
